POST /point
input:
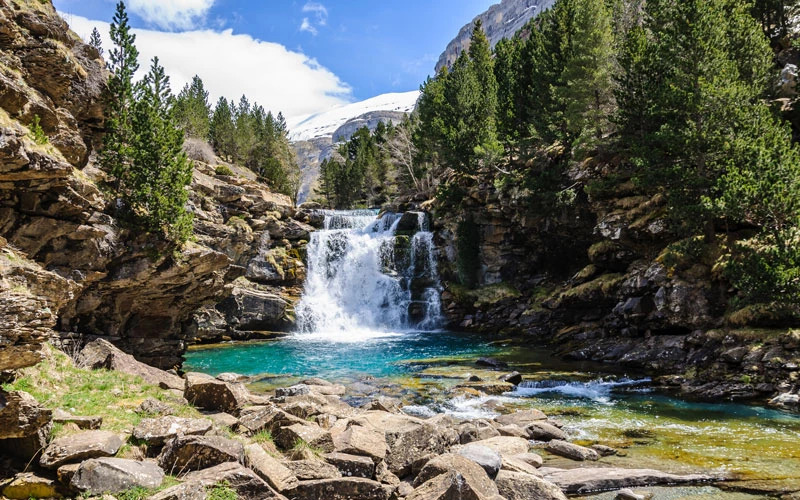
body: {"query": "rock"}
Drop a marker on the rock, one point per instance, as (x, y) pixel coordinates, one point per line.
(491, 363)
(21, 415)
(183, 491)
(628, 494)
(453, 485)
(513, 431)
(212, 394)
(490, 460)
(154, 407)
(113, 475)
(512, 378)
(521, 418)
(514, 464)
(476, 432)
(78, 447)
(156, 431)
(352, 465)
(358, 440)
(571, 450)
(27, 485)
(63, 417)
(603, 450)
(543, 431)
(450, 462)
(316, 381)
(344, 488)
(505, 445)
(294, 390)
(66, 472)
(530, 458)
(384, 475)
(246, 484)
(186, 453)
(268, 418)
(223, 419)
(102, 354)
(587, 480)
(519, 486)
(269, 468)
(231, 377)
(311, 434)
(383, 403)
(494, 388)
(306, 470)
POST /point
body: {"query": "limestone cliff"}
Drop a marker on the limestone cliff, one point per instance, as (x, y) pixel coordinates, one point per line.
(66, 264)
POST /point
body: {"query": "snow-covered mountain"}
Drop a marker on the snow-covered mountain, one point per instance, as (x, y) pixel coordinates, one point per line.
(314, 136)
(327, 123)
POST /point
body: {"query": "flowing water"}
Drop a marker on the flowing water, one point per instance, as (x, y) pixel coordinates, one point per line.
(370, 318)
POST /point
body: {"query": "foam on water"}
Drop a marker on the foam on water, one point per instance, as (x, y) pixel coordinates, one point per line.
(598, 390)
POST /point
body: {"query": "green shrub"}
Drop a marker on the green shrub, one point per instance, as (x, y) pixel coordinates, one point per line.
(37, 133)
(221, 491)
(223, 170)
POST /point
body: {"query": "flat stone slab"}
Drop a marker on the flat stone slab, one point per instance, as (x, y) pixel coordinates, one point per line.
(188, 453)
(112, 475)
(352, 465)
(269, 468)
(79, 447)
(241, 479)
(571, 450)
(157, 431)
(520, 486)
(62, 417)
(521, 418)
(344, 488)
(591, 479)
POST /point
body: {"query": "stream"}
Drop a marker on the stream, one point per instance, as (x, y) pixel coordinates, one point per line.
(370, 316)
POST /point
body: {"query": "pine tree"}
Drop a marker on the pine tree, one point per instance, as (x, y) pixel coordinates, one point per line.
(506, 70)
(95, 41)
(222, 129)
(192, 110)
(161, 171)
(119, 134)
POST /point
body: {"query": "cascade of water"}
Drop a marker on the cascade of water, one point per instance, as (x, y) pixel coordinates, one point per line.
(358, 287)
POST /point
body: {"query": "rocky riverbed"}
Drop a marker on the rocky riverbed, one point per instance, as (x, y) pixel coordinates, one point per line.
(199, 435)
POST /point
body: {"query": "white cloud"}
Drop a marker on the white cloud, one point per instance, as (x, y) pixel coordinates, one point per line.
(172, 14)
(234, 64)
(320, 17)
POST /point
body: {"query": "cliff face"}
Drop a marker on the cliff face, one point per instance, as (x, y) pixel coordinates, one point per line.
(67, 265)
(500, 21)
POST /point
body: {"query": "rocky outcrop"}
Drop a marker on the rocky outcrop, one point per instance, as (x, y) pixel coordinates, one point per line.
(501, 20)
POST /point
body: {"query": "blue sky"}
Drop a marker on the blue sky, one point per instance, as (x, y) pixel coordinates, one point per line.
(349, 49)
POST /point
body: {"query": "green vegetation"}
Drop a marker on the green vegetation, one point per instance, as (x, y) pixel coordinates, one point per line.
(95, 41)
(223, 170)
(264, 436)
(57, 383)
(221, 491)
(37, 133)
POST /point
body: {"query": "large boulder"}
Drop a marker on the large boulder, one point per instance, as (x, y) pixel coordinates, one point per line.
(314, 469)
(521, 418)
(182, 491)
(269, 468)
(589, 479)
(504, 445)
(343, 488)
(571, 450)
(490, 460)
(544, 431)
(477, 431)
(24, 425)
(519, 486)
(361, 440)
(186, 453)
(78, 447)
(450, 462)
(112, 475)
(266, 418)
(352, 465)
(157, 431)
(246, 484)
(311, 434)
(101, 353)
(457, 485)
(207, 392)
(27, 485)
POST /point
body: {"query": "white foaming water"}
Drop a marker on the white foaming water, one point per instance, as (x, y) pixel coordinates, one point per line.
(597, 390)
(354, 290)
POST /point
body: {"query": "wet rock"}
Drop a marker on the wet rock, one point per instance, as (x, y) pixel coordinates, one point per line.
(586, 480)
(152, 406)
(157, 431)
(328, 390)
(62, 417)
(269, 468)
(488, 387)
(603, 450)
(207, 392)
(512, 378)
(344, 488)
(103, 354)
(311, 434)
(360, 440)
(521, 418)
(352, 465)
(78, 447)
(628, 494)
(544, 431)
(519, 486)
(571, 450)
(490, 460)
(491, 363)
(27, 485)
(294, 390)
(306, 470)
(186, 453)
(112, 475)
(246, 483)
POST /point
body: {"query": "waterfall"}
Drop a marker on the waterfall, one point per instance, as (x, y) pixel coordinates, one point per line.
(366, 278)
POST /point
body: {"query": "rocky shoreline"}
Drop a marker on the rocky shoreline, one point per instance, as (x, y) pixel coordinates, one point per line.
(300, 442)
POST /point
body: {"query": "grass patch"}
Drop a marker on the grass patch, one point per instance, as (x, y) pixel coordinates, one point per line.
(139, 493)
(57, 383)
(301, 448)
(221, 491)
(264, 436)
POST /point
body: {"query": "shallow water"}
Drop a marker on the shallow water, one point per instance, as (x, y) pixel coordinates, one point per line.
(749, 443)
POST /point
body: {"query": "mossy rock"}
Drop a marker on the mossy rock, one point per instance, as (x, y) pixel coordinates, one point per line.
(485, 296)
(599, 289)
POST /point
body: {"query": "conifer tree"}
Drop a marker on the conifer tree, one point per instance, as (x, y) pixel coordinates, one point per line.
(192, 110)
(95, 41)
(119, 134)
(222, 129)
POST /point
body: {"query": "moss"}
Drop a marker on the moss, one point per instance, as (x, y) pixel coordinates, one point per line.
(601, 248)
(57, 383)
(763, 314)
(600, 287)
(586, 273)
(484, 296)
